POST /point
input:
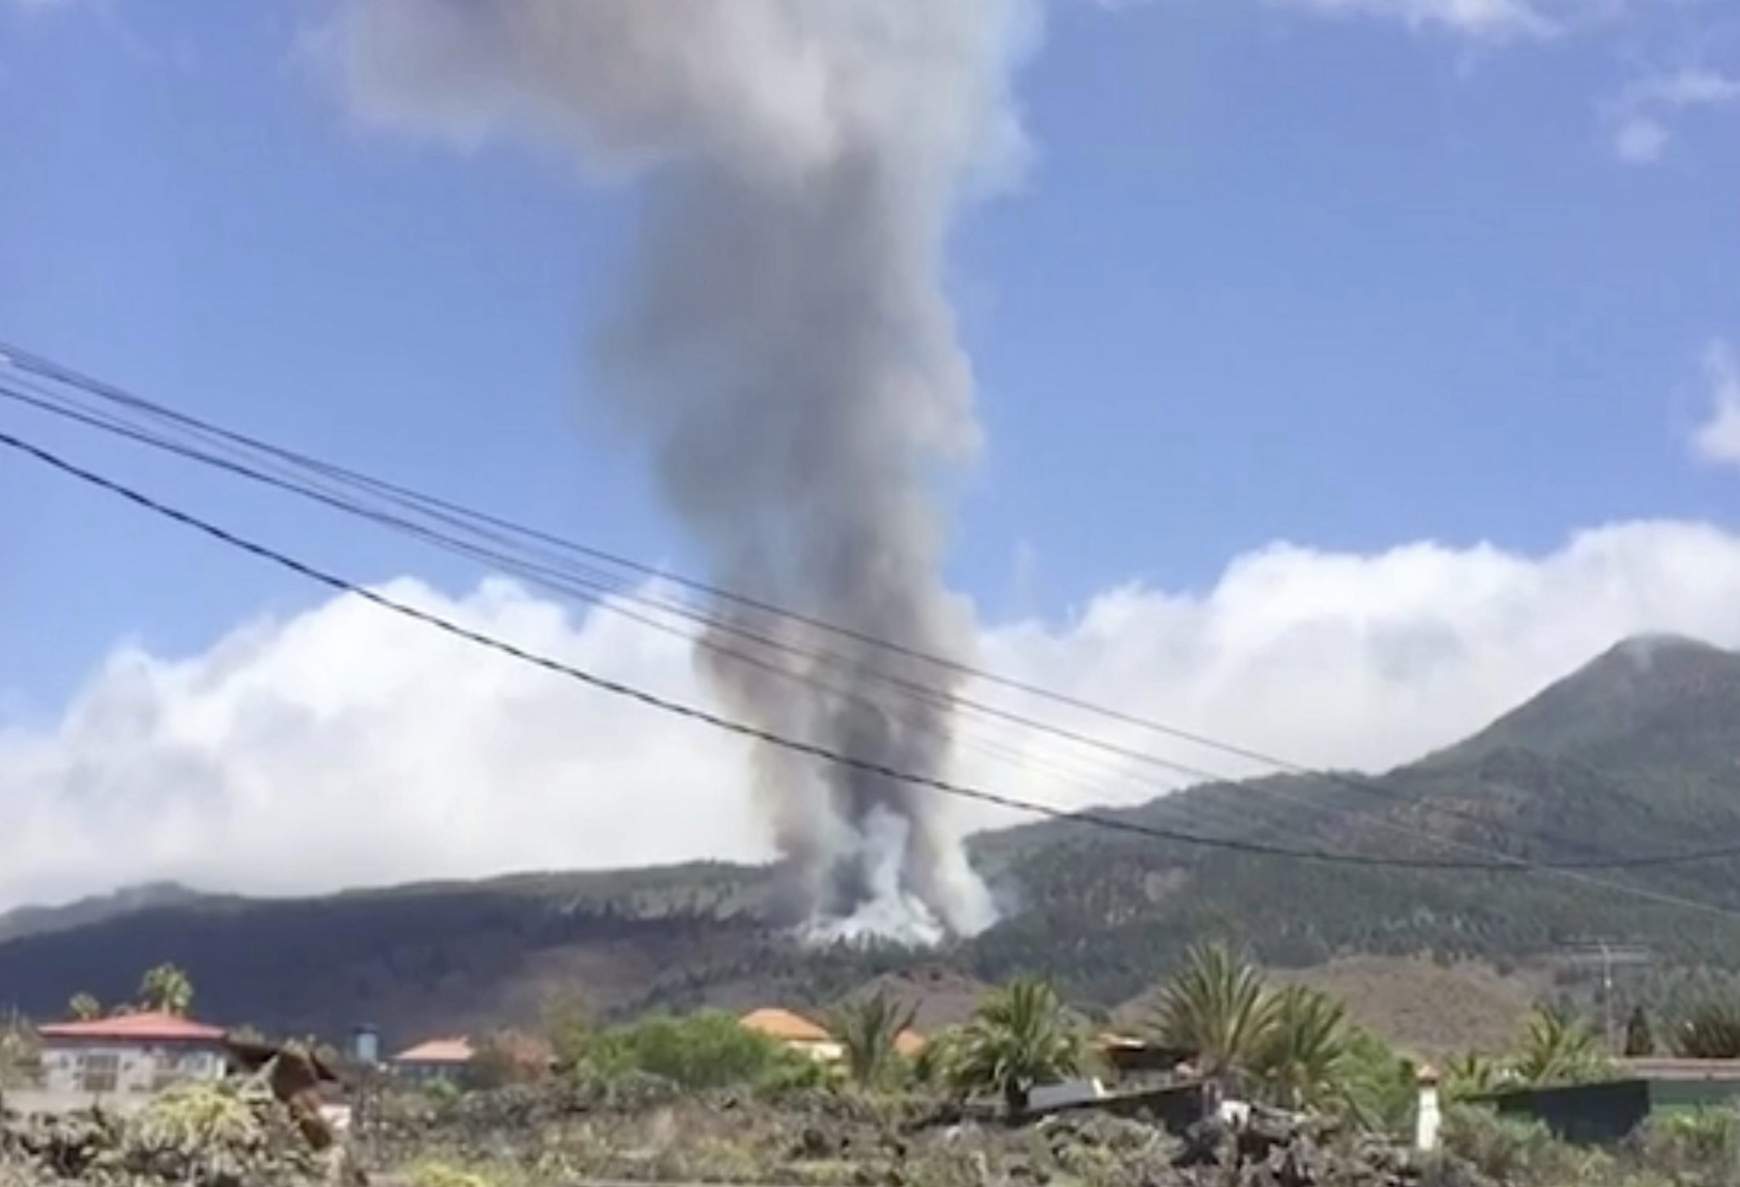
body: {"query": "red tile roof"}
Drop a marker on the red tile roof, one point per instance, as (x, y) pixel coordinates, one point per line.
(150, 1027)
(454, 1050)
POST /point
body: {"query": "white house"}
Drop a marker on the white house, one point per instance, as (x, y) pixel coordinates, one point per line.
(129, 1053)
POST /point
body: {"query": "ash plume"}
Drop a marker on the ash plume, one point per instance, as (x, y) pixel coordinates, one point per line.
(785, 344)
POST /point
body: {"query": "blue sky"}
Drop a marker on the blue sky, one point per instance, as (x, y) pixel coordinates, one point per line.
(1274, 274)
(1360, 276)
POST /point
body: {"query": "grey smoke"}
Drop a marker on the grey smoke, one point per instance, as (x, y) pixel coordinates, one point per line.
(786, 345)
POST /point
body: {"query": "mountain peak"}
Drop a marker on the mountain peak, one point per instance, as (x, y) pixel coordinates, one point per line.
(1638, 700)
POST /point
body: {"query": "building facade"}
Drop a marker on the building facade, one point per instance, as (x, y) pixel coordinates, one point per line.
(435, 1059)
(132, 1053)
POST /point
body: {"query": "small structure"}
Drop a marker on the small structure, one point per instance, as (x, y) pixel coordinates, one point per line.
(1049, 1098)
(1609, 1110)
(1129, 1055)
(435, 1059)
(130, 1053)
(1427, 1116)
(795, 1031)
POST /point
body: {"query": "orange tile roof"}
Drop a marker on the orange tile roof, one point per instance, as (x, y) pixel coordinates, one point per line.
(783, 1025)
(149, 1027)
(449, 1050)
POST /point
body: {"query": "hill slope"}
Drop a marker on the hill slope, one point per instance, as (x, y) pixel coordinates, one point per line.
(1634, 754)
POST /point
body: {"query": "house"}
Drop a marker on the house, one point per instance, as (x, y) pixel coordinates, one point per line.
(435, 1059)
(795, 1031)
(130, 1053)
(1609, 1110)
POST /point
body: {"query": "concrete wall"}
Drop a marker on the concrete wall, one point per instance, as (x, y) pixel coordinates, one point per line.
(108, 1068)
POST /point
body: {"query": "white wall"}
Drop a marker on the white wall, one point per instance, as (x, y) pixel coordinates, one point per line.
(75, 1067)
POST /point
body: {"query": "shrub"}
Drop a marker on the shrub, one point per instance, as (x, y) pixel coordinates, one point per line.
(1712, 1031)
(1693, 1145)
(707, 1049)
(1510, 1149)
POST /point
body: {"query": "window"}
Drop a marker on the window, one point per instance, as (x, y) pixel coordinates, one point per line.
(99, 1071)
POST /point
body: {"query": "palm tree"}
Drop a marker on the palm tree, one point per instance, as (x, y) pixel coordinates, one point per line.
(1217, 1007)
(866, 1031)
(83, 1007)
(1472, 1074)
(1018, 1038)
(166, 988)
(1298, 1060)
(1558, 1049)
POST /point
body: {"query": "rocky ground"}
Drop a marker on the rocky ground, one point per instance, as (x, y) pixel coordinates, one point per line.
(204, 1135)
(646, 1131)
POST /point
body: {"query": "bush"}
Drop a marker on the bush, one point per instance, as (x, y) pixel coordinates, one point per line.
(1511, 1150)
(1693, 1145)
(1712, 1031)
(707, 1049)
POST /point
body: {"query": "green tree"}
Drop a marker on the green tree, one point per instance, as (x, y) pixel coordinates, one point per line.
(1472, 1074)
(1559, 1049)
(1376, 1084)
(706, 1049)
(166, 988)
(1711, 1031)
(1639, 1038)
(1218, 1007)
(83, 1007)
(1018, 1037)
(934, 1064)
(1298, 1059)
(866, 1031)
(568, 1026)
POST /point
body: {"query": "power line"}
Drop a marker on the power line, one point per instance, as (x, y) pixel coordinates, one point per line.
(719, 721)
(602, 594)
(599, 590)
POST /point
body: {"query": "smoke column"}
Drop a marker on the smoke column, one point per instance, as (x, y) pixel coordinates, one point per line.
(785, 345)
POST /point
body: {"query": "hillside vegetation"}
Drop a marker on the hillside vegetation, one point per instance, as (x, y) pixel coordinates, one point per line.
(1636, 754)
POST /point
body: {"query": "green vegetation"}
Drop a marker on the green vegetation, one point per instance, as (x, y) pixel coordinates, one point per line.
(866, 1031)
(706, 1049)
(1694, 1149)
(1019, 1037)
(83, 1007)
(166, 988)
(1559, 1049)
(1217, 1007)
(1299, 1061)
(1711, 1031)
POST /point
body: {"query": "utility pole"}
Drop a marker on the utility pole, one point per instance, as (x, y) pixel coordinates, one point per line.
(1611, 954)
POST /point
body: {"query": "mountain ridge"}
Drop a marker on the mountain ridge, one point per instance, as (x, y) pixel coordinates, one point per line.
(1632, 753)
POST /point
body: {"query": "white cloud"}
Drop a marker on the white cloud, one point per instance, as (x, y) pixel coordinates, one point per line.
(1482, 18)
(345, 746)
(1639, 117)
(1718, 438)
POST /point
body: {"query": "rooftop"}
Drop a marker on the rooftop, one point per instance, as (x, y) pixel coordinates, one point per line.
(150, 1027)
(450, 1050)
(783, 1025)
(1668, 1067)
